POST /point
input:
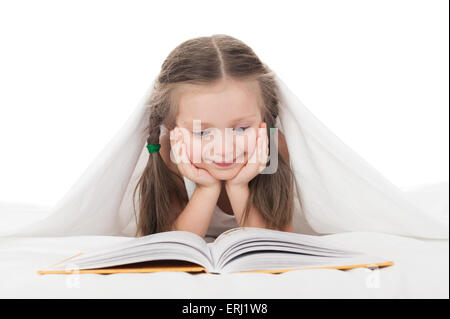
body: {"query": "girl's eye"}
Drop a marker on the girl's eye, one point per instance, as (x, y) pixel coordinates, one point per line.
(200, 133)
(241, 129)
(206, 132)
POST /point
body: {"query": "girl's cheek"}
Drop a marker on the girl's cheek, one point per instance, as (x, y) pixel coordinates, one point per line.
(241, 146)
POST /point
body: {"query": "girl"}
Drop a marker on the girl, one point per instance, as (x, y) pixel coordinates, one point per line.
(221, 83)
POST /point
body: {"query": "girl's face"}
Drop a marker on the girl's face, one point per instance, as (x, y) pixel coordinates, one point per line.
(219, 124)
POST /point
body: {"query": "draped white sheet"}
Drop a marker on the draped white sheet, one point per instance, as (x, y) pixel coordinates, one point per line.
(340, 191)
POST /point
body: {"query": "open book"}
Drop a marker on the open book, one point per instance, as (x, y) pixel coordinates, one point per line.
(241, 249)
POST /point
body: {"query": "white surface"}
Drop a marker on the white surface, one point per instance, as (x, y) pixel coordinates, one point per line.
(421, 270)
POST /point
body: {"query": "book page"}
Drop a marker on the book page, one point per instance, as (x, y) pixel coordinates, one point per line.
(287, 261)
(171, 245)
(254, 246)
(246, 239)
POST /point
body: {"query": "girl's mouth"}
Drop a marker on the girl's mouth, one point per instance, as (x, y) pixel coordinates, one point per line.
(224, 165)
(238, 159)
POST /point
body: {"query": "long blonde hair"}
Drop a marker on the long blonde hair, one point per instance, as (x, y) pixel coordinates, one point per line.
(205, 60)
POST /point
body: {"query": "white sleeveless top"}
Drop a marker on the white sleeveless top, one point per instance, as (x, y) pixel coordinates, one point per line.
(220, 220)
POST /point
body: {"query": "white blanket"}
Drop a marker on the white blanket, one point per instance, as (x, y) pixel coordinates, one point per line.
(421, 270)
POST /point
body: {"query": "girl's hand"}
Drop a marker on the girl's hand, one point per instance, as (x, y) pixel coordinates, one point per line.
(184, 164)
(256, 162)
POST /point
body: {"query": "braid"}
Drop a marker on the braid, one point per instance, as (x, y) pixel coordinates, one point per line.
(157, 185)
(154, 127)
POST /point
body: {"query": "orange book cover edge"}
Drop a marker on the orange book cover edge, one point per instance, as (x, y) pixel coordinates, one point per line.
(191, 268)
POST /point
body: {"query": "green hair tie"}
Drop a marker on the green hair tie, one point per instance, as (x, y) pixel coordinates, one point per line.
(152, 148)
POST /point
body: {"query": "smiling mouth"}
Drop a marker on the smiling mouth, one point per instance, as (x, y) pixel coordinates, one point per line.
(226, 164)
(236, 160)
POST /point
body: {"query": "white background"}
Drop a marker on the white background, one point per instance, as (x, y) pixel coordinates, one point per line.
(374, 72)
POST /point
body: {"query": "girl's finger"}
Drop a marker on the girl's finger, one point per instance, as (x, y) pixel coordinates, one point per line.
(261, 137)
(175, 148)
(189, 169)
(185, 162)
(265, 153)
(184, 156)
(261, 152)
(180, 139)
(254, 157)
